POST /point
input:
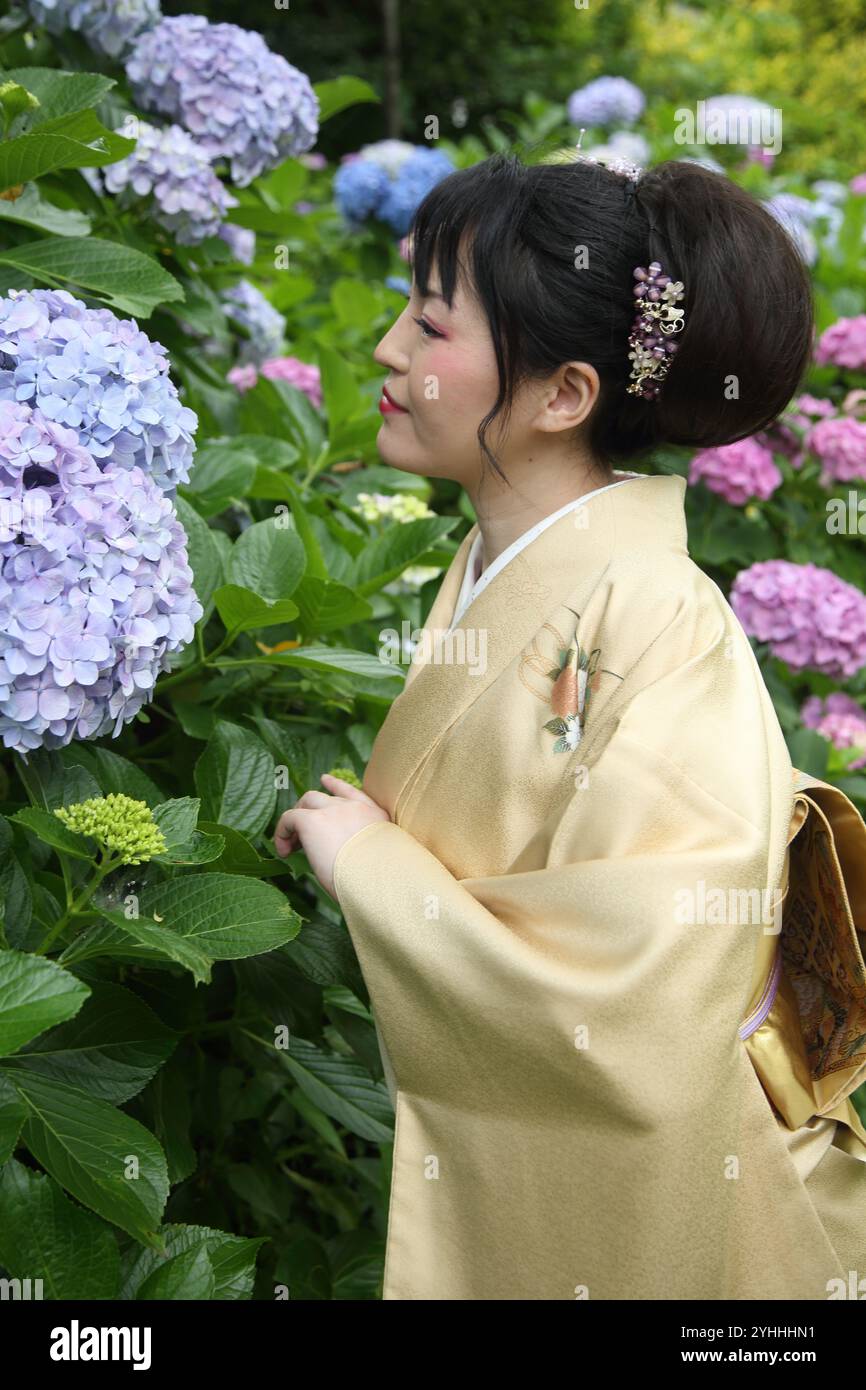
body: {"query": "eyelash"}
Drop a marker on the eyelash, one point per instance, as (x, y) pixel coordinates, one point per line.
(431, 332)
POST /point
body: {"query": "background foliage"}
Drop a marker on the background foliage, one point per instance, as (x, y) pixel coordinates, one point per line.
(224, 1039)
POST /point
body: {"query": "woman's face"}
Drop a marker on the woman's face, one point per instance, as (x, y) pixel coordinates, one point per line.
(442, 369)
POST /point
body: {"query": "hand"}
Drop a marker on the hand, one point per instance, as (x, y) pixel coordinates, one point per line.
(320, 825)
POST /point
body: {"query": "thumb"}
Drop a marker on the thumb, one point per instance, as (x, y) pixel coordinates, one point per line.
(346, 789)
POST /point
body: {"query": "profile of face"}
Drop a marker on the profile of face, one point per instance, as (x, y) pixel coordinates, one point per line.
(442, 370)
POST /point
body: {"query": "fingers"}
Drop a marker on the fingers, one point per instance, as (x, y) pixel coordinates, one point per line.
(346, 789)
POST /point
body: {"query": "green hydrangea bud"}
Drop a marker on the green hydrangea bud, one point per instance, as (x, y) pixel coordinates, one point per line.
(347, 775)
(117, 823)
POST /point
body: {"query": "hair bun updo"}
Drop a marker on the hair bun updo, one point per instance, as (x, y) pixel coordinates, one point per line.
(748, 324)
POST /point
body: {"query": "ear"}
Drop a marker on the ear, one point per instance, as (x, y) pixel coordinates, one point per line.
(569, 398)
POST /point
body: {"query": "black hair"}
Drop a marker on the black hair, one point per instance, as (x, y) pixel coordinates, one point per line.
(748, 305)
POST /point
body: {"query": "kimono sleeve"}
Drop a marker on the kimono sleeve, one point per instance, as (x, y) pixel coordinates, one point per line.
(565, 1046)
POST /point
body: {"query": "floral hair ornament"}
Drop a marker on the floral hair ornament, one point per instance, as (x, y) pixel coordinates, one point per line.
(615, 163)
(655, 298)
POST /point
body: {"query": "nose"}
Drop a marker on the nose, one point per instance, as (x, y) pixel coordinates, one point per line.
(388, 351)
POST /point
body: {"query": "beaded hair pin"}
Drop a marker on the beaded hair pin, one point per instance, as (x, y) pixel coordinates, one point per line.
(656, 296)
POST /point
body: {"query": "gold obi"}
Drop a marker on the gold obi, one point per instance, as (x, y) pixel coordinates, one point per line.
(806, 1028)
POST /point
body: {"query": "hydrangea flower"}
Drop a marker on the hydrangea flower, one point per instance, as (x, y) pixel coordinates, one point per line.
(809, 616)
(390, 155)
(117, 823)
(244, 377)
(840, 444)
(840, 719)
(844, 344)
(100, 375)
(737, 472)
(242, 102)
(170, 168)
(240, 240)
(266, 326)
(109, 26)
(735, 119)
(398, 283)
(303, 375)
(401, 507)
(858, 183)
(606, 101)
(365, 187)
(803, 412)
(95, 585)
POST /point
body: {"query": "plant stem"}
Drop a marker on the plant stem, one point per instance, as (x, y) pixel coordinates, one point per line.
(106, 864)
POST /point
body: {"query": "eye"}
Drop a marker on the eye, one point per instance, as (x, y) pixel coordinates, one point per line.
(426, 329)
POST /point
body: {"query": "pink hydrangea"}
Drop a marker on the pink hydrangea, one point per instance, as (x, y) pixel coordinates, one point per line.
(809, 616)
(840, 444)
(737, 471)
(815, 709)
(840, 719)
(244, 378)
(858, 183)
(305, 377)
(803, 412)
(843, 344)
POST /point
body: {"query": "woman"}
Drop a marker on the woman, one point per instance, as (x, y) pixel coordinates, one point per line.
(618, 989)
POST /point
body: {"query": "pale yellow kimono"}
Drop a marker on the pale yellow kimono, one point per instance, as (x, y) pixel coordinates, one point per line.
(591, 1098)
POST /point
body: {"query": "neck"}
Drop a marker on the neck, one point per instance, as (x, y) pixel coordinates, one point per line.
(507, 512)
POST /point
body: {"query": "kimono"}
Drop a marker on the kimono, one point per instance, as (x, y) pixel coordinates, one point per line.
(613, 941)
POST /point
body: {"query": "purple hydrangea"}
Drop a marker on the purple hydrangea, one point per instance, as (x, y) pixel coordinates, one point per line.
(240, 101)
(240, 240)
(840, 444)
(265, 325)
(808, 615)
(815, 708)
(109, 26)
(388, 185)
(100, 375)
(606, 101)
(844, 344)
(737, 472)
(95, 586)
(168, 166)
(787, 209)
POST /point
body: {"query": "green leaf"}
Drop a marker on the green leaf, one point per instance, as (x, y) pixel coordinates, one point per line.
(60, 93)
(75, 141)
(339, 92)
(177, 819)
(340, 394)
(109, 772)
(233, 1259)
(12, 1116)
(31, 210)
(199, 849)
(242, 610)
(188, 1275)
(111, 1050)
(341, 1088)
(203, 553)
(194, 921)
(239, 856)
(35, 994)
(52, 831)
(139, 939)
(273, 485)
(221, 474)
(354, 304)
(269, 558)
(105, 1159)
(126, 279)
(235, 779)
(401, 545)
(335, 659)
(45, 1236)
(326, 605)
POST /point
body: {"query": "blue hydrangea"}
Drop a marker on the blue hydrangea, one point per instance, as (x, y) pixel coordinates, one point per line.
(363, 187)
(109, 26)
(170, 168)
(240, 101)
(96, 591)
(266, 326)
(399, 283)
(240, 240)
(606, 101)
(92, 372)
